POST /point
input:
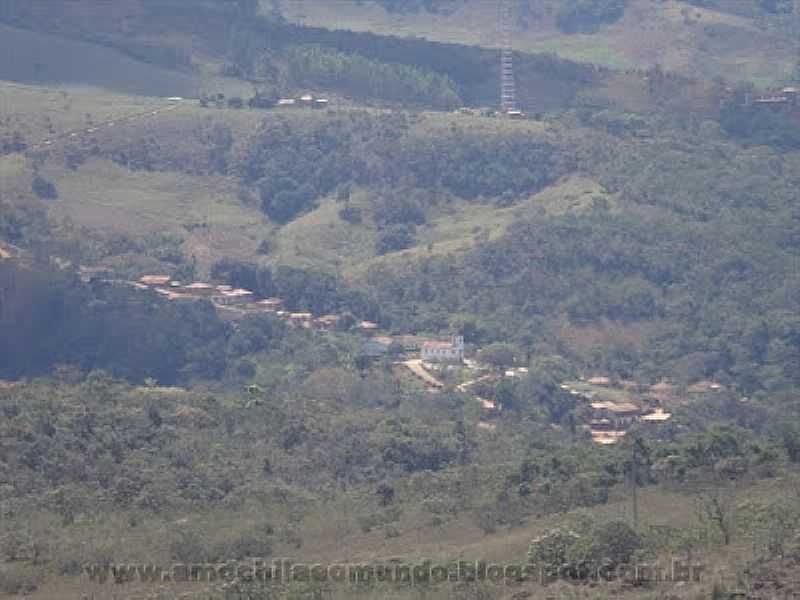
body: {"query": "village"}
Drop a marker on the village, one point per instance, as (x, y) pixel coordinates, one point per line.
(608, 408)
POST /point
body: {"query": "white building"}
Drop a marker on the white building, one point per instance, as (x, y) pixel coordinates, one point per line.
(444, 352)
(231, 297)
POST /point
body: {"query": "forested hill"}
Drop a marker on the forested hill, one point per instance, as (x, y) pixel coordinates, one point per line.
(735, 39)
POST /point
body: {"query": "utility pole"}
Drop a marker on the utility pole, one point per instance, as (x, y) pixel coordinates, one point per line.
(634, 481)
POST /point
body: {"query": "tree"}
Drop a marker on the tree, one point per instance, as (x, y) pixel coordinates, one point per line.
(499, 355)
(716, 506)
(394, 238)
(613, 543)
(43, 188)
(552, 549)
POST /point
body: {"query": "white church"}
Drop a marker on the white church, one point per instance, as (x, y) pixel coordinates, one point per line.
(444, 352)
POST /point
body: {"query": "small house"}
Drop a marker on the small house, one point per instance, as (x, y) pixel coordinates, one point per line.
(327, 322)
(301, 319)
(658, 416)
(368, 327)
(702, 387)
(271, 304)
(234, 297)
(200, 289)
(155, 280)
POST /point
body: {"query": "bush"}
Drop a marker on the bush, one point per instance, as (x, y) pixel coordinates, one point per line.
(20, 582)
(187, 548)
(43, 188)
(587, 16)
(394, 238)
(351, 214)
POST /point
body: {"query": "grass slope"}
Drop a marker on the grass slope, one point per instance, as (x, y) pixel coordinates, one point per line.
(38, 58)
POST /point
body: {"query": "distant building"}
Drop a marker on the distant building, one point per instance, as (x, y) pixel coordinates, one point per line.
(607, 438)
(286, 103)
(367, 327)
(301, 319)
(773, 102)
(271, 304)
(233, 297)
(410, 343)
(659, 416)
(155, 280)
(701, 387)
(327, 322)
(605, 381)
(444, 352)
(620, 414)
(199, 289)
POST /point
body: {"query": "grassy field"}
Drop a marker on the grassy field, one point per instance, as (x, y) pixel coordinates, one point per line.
(204, 210)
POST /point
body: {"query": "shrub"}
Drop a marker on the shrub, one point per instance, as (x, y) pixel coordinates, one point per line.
(587, 16)
(44, 189)
(351, 214)
(394, 238)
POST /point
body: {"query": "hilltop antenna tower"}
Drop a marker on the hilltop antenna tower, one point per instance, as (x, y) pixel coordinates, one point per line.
(508, 101)
(796, 35)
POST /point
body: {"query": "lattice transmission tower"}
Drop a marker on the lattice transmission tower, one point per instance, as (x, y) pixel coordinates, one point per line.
(796, 40)
(508, 100)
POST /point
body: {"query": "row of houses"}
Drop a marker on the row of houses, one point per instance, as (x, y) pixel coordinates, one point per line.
(226, 296)
(609, 420)
(306, 100)
(612, 413)
(786, 98)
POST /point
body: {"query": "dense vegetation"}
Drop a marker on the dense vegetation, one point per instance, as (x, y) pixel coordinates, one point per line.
(587, 16)
(49, 318)
(293, 164)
